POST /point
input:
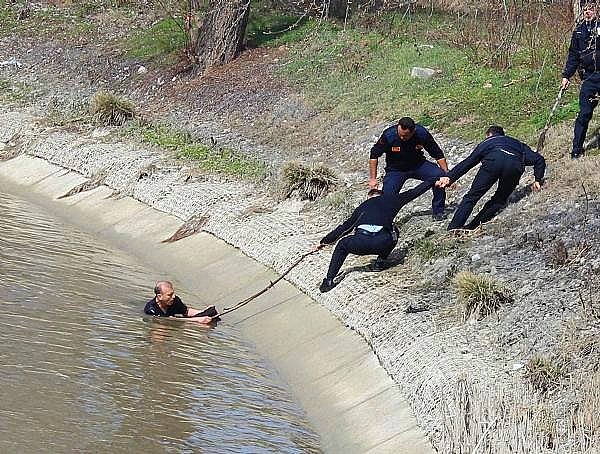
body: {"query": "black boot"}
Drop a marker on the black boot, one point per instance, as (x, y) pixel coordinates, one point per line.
(326, 285)
(378, 265)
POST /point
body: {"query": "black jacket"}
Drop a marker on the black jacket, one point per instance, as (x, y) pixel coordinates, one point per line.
(584, 50)
(501, 147)
(380, 210)
(405, 155)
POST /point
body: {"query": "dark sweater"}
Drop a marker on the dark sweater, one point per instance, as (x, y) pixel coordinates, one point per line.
(498, 148)
(380, 210)
(405, 155)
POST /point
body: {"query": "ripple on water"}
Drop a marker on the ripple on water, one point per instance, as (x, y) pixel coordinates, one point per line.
(83, 370)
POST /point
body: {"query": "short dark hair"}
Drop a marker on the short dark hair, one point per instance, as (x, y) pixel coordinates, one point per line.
(373, 192)
(494, 130)
(407, 123)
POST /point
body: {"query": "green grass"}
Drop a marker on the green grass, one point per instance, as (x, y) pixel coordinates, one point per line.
(360, 74)
(213, 159)
(433, 246)
(160, 44)
(270, 28)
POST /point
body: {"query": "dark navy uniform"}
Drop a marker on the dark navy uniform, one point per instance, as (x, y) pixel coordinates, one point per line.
(503, 159)
(584, 55)
(378, 211)
(405, 159)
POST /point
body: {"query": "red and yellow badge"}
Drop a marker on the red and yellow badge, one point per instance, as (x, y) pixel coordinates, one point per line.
(396, 149)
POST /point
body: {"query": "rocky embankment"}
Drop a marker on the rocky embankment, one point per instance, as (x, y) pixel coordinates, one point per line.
(543, 246)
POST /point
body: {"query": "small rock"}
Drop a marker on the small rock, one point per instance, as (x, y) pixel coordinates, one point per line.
(422, 73)
(517, 366)
(142, 70)
(100, 132)
(475, 258)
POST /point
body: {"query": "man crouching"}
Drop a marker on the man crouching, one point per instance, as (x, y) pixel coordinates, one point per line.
(374, 232)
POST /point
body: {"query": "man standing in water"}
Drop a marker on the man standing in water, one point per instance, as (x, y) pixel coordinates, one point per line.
(167, 304)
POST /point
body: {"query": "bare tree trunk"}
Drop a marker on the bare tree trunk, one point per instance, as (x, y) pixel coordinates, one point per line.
(337, 8)
(576, 10)
(220, 36)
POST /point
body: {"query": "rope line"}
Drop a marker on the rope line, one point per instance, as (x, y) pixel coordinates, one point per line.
(242, 303)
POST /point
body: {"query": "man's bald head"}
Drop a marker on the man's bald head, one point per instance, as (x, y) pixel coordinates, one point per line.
(161, 286)
(165, 293)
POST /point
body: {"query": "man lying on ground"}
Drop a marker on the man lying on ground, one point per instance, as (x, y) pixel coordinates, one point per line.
(167, 304)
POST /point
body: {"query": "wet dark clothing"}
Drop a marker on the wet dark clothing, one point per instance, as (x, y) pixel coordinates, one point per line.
(503, 160)
(177, 308)
(584, 55)
(376, 211)
(405, 159)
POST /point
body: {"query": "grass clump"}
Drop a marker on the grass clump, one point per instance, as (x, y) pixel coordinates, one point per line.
(432, 246)
(18, 93)
(543, 373)
(480, 295)
(110, 110)
(209, 157)
(311, 182)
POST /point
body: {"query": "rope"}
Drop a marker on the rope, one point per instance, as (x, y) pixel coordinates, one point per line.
(227, 310)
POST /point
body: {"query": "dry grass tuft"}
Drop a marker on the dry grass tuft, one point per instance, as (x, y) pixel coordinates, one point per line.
(480, 295)
(544, 374)
(584, 421)
(491, 421)
(311, 182)
(110, 110)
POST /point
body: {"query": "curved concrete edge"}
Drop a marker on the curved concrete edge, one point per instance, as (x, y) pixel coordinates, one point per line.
(351, 402)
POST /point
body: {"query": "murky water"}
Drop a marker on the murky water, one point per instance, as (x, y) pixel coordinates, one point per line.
(81, 370)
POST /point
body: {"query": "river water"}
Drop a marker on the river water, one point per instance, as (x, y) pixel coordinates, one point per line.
(81, 370)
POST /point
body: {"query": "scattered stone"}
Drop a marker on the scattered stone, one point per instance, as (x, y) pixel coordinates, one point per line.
(422, 73)
(142, 70)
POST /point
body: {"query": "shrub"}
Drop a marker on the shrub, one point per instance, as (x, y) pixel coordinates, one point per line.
(480, 295)
(311, 182)
(110, 110)
(543, 373)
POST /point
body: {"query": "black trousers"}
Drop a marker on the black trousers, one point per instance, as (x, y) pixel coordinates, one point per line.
(507, 172)
(381, 244)
(589, 90)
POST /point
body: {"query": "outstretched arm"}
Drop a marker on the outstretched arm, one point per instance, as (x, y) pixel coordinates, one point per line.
(539, 166)
(408, 196)
(466, 164)
(344, 228)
